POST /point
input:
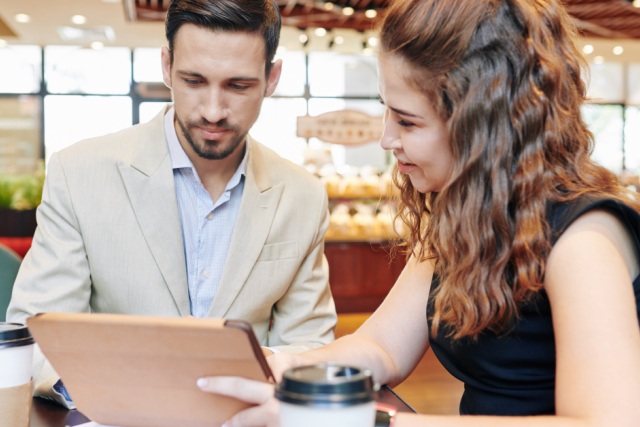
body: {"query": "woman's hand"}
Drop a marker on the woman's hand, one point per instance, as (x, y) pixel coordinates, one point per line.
(266, 413)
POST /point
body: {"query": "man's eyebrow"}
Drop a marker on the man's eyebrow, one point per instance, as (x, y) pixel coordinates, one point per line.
(244, 79)
(404, 113)
(191, 74)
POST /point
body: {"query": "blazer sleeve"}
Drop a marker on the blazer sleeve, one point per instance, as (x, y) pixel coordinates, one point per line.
(54, 275)
(305, 317)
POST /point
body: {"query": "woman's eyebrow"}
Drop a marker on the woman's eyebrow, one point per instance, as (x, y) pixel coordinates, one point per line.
(396, 110)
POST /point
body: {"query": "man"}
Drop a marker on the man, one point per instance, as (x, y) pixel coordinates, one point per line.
(188, 215)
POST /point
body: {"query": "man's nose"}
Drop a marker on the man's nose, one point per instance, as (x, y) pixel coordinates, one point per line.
(214, 108)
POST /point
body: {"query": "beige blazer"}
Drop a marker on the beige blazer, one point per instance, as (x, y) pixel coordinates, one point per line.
(109, 240)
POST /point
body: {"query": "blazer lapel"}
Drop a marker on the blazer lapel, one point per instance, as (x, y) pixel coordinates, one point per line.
(258, 207)
(151, 189)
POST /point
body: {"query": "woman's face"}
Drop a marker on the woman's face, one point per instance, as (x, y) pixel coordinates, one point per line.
(412, 129)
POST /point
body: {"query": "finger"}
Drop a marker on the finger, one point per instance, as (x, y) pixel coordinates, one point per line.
(258, 416)
(241, 388)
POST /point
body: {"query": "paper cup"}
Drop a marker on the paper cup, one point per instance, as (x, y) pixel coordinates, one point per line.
(16, 355)
(327, 395)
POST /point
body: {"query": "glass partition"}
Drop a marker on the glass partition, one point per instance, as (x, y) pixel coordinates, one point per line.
(146, 65)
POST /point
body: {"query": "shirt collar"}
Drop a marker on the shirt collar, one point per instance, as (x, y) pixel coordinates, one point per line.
(180, 160)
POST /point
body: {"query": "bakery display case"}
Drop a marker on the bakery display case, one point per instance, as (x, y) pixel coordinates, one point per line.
(362, 206)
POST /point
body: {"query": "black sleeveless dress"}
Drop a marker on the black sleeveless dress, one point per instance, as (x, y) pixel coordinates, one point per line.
(514, 374)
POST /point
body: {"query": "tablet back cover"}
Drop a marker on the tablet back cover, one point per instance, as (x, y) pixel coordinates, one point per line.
(140, 371)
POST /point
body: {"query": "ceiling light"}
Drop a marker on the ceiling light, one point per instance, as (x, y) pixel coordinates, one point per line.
(373, 41)
(23, 18)
(598, 60)
(367, 51)
(636, 3)
(320, 32)
(587, 49)
(371, 13)
(303, 38)
(3, 43)
(328, 6)
(97, 45)
(281, 49)
(78, 19)
(618, 50)
(339, 40)
(348, 11)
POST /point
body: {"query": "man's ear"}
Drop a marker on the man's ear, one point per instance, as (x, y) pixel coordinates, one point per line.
(166, 66)
(274, 78)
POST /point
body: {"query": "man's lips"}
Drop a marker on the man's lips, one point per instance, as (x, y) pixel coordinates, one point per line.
(405, 167)
(212, 134)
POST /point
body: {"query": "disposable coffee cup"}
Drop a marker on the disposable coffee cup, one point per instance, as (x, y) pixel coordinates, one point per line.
(327, 395)
(16, 355)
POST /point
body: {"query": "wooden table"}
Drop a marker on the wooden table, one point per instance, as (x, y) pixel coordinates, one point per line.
(45, 413)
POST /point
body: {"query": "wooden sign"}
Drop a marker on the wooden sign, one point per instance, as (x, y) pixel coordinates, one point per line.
(341, 127)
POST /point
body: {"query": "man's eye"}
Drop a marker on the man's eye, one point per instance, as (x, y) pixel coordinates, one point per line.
(192, 82)
(405, 124)
(239, 87)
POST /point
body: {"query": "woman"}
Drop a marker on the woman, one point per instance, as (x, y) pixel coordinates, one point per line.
(523, 275)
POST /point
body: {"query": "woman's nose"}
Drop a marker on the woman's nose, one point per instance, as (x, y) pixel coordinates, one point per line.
(390, 139)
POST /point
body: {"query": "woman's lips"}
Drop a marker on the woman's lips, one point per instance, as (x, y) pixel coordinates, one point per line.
(212, 134)
(405, 167)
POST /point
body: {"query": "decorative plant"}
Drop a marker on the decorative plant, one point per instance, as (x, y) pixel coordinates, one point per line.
(22, 192)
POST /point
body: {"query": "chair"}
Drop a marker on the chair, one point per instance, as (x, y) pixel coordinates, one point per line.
(9, 266)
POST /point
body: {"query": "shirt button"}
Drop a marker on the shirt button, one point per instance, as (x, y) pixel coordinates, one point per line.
(210, 216)
(206, 274)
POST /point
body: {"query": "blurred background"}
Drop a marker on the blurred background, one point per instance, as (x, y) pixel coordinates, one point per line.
(76, 69)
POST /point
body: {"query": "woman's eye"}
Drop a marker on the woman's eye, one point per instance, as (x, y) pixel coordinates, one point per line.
(405, 124)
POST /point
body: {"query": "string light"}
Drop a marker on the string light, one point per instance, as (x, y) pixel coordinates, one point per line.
(371, 13)
(320, 32)
(339, 40)
(328, 6)
(348, 11)
(618, 50)
(587, 49)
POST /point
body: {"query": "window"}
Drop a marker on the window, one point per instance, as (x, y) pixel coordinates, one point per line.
(148, 110)
(19, 134)
(21, 69)
(74, 70)
(72, 118)
(276, 127)
(606, 123)
(147, 65)
(334, 74)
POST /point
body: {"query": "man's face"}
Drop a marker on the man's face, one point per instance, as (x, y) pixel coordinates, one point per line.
(218, 83)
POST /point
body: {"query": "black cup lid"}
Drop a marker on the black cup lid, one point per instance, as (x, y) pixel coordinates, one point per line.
(327, 385)
(14, 335)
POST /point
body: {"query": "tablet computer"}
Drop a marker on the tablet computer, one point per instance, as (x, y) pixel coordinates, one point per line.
(141, 371)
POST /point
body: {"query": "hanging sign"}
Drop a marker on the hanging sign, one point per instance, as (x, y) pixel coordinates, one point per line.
(341, 127)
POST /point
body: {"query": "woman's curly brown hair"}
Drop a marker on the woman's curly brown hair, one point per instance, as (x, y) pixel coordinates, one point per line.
(505, 77)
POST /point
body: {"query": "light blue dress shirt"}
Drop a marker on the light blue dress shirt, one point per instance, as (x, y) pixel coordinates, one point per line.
(207, 227)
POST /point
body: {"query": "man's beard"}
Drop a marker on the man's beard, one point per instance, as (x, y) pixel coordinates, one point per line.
(212, 149)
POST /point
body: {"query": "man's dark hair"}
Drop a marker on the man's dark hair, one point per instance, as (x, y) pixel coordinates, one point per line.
(249, 16)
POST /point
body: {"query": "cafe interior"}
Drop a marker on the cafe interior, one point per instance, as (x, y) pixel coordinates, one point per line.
(77, 69)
